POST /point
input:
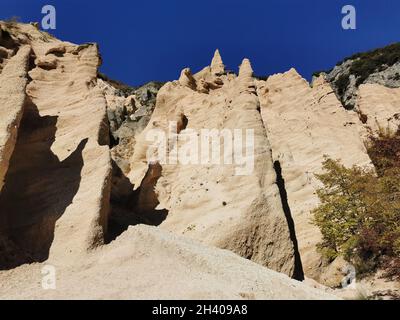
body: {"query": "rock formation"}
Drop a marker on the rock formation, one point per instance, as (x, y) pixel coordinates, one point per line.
(227, 199)
(55, 199)
(204, 201)
(13, 81)
(380, 107)
(304, 124)
(56, 204)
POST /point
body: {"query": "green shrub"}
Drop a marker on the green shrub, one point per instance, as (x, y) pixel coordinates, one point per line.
(317, 73)
(359, 214)
(367, 63)
(374, 61)
(387, 55)
(342, 83)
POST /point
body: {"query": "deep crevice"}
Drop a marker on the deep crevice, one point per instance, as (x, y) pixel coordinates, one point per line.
(7, 41)
(131, 207)
(298, 273)
(183, 122)
(298, 267)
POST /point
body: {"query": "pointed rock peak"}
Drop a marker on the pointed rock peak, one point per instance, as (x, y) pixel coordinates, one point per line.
(245, 69)
(293, 72)
(295, 76)
(217, 66)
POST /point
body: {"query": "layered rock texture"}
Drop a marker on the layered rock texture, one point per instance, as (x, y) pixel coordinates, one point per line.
(12, 99)
(380, 108)
(70, 141)
(199, 188)
(54, 201)
(305, 124)
(204, 200)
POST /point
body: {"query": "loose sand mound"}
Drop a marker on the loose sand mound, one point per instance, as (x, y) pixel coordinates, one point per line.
(147, 263)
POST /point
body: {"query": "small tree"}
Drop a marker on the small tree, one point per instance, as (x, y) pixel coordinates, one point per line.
(359, 215)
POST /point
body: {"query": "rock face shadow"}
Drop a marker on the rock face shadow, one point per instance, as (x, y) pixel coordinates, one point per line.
(128, 207)
(298, 266)
(38, 189)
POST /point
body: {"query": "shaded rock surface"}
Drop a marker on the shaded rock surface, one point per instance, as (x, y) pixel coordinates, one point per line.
(13, 80)
(54, 202)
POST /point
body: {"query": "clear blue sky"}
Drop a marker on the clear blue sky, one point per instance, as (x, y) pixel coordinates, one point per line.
(153, 40)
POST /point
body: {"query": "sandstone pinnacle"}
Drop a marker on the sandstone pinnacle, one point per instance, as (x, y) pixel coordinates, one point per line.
(245, 69)
(217, 66)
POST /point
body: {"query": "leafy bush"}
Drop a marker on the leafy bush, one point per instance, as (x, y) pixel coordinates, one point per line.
(359, 215)
(342, 83)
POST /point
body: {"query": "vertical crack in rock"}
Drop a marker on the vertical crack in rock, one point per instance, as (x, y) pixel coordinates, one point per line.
(298, 271)
(183, 121)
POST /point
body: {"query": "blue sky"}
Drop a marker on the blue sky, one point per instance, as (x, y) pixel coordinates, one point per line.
(145, 40)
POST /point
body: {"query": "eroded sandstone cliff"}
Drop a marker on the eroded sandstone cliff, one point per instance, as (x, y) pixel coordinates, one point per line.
(63, 179)
(79, 176)
(306, 124)
(55, 199)
(210, 202)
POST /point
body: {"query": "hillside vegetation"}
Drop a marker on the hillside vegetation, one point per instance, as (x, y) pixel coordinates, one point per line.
(359, 215)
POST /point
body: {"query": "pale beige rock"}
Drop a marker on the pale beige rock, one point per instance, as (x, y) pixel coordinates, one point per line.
(54, 205)
(245, 70)
(334, 273)
(57, 189)
(210, 202)
(13, 80)
(381, 106)
(372, 287)
(186, 79)
(148, 263)
(303, 125)
(217, 66)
